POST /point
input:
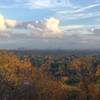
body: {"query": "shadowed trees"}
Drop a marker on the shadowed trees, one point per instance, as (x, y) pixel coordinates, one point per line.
(25, 92)
(20, 80)
(86, 72)
(13, 72)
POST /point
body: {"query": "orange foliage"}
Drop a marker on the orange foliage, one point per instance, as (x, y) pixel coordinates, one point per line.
(13, 69)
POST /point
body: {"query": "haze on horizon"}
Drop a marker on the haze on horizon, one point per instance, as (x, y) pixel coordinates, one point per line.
(50, 24)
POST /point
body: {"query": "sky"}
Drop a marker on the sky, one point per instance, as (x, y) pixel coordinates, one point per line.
(50, 24)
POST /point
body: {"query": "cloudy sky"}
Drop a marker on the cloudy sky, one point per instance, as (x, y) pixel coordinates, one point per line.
(50, 24)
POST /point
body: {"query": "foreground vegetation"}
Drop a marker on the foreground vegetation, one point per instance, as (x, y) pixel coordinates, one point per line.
(31, 77)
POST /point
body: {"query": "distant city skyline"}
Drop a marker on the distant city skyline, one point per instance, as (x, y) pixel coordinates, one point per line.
(50, 24)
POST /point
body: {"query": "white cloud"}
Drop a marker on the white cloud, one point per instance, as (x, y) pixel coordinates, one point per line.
(5, 24)
(81, 30)
(2, 23)
(71, 27)
(87, 7)
(48, 3)
(39, 3)
(52, 24)
(78, 12)
(10, 23)
(71, 15)
(48, 28)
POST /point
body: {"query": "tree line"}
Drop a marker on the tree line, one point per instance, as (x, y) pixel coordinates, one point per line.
(74, 78)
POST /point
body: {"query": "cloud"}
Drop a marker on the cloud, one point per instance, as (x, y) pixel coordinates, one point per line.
(92, 36)
(71, 27)
(78, 29)
(2, 23)
(71, 36)
(79, 12)
(3, 32)
(39, 3)
(5, 25)
(76, 16)
(10, 23)
(63, 37)
(45, 29)
(48, 28)
(35, 3)
(48, 3)
(87, 7)
(96, 31)
(52, 24)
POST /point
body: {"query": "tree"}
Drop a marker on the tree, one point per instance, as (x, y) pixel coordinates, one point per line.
(25, 92)
(86, 73)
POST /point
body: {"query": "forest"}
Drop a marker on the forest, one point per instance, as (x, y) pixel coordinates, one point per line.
(26, 75)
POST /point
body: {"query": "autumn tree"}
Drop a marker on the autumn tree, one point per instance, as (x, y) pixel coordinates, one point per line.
(86, 72)
(13, 72)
